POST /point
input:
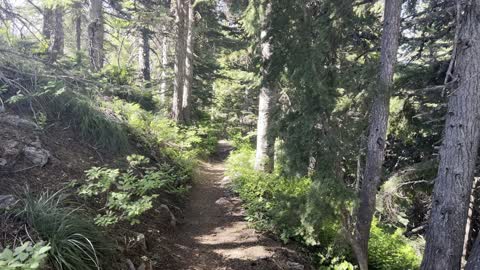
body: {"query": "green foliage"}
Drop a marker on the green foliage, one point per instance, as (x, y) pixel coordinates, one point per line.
(307, 209)
(75, 243)
(128, 194)
(390, 250)
(26, 256)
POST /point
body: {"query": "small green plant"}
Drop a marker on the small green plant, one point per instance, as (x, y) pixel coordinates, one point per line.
(75, 242)
(128, 194)
(26, 256)
(390, 250)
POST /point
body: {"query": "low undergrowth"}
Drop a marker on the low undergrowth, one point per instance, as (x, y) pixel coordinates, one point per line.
(74, 242)
(126, 195)
(306, 210)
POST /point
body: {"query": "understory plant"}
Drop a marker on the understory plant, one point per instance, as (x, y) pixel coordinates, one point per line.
(75, 243)
(306, 209)
(25, 256)
(128, 194)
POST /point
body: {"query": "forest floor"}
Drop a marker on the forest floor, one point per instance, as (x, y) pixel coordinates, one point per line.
(215, 234)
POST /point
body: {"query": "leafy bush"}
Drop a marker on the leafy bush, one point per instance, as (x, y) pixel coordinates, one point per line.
(307, 210)
(24, 257)
(128, 193)
(390, 250)
(76, 244)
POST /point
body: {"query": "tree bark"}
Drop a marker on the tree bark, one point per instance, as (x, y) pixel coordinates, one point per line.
(47, 23)
(378, 121)
(458, 153)
(181, 10)
(468, 226)
(164, 65)
(474, 258)
(144, 55)
(96, 34)
(264, 157)
(77, 6)
(187, 89)
(53, 31)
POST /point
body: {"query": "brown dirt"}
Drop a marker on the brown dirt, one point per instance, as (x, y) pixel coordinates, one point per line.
(215, 235)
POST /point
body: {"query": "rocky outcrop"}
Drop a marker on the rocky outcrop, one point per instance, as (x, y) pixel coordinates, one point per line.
(20, 145)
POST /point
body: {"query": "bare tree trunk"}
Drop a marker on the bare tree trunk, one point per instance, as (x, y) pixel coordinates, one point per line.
(264, 157)
(378, 121)
(187, 89)
(53, 31)
(47, 23)
(77, 6)
(458, 153)
(163, 76)
(181, 10)
(96, 34)
(144, 55)
(57, 43)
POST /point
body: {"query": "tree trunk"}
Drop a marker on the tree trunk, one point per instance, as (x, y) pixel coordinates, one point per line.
(47, 23)
(77, 6)
(181, 10)
(163, 76)
(57, 44)
(264, 157)
(187, 89)
(458, 153)
(96, 35)
(474, 258)
(468, 227)
(53, 32)
(378, 121)
(144, 55)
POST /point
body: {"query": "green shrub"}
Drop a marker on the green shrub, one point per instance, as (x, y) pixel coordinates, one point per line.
(129, 193)
(76, 244)
(308, 210)
(390, 250)
(26, 256)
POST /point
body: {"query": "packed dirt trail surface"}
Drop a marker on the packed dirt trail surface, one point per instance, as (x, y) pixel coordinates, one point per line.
(215, 235)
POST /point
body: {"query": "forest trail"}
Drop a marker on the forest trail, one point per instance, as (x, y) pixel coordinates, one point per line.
(215, 235)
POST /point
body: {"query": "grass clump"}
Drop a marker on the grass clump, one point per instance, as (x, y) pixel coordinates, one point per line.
(75, 242)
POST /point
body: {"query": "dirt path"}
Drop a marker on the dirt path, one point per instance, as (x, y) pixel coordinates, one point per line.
(214, 234)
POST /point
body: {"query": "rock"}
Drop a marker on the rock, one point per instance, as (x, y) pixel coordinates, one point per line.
(3, 162)
(15, 120)
(166, 213)
(38, 156)
(295, 266)
(11, 148)
(6, 201)
(141, 242)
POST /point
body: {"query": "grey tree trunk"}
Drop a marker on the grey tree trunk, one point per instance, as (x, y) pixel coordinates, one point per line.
(96, 34)
(181, 10)
(264, 156)
(53, 31)
(458, 153)
(164, 64)
(77, 6)
(144, 55)
(474, 259)
(47, 23)
(468, 226)
(377, 131)
(57, 44)
(187, 88)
